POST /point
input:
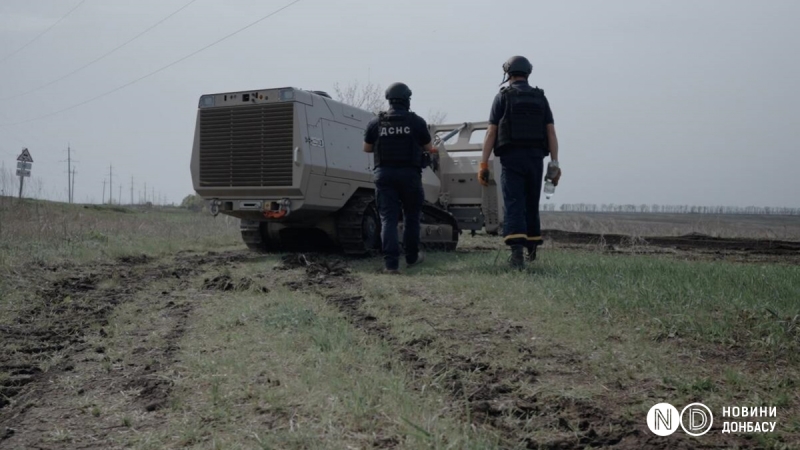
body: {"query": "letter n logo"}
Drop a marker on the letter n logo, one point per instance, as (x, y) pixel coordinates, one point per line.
(663, 419)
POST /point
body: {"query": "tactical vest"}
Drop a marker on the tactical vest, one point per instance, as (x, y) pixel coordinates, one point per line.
(396, 145)
(523, 122)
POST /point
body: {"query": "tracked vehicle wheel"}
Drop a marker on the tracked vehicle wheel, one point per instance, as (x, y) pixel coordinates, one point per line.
(371, 227)
(434, 215)
(254, 235)
(358, 225)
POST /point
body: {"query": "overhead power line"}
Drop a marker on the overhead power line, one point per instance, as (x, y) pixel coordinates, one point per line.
(161, 69)
(101, 57)
(43, 32)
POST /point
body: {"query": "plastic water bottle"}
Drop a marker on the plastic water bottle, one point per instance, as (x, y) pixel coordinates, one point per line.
(549, 187)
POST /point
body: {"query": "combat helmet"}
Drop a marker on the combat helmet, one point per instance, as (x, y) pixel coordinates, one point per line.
(517, 65)
(398, 93)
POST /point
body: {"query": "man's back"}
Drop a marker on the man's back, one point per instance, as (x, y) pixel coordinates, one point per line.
(400, 130)
(500, 108)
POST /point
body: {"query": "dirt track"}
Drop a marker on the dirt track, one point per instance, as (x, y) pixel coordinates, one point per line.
(62, 335)
(492, 394)
(691, 246)
(63, 332)
(688, 242)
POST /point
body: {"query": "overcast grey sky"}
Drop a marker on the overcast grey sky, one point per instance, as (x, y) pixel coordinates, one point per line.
(670, 102)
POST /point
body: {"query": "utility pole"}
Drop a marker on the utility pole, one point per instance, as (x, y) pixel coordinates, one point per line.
(72, 197)
(119, 199)
(69, 174)
(131, 190)
(145, 193)
(110, 183)
(104, 192)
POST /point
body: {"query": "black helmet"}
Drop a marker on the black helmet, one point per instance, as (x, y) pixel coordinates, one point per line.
(398, 91)
(518, 65)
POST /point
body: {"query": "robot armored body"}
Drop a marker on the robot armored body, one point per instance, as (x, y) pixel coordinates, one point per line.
(289, 163)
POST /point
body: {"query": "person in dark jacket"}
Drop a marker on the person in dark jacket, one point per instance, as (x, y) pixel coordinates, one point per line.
(397, 138)
(521, 133)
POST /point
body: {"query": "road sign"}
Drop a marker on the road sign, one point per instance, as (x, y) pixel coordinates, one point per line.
(23, 173)
(25, 156)
(23, 165)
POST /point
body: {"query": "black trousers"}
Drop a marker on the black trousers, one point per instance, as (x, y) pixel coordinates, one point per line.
(399, 187)
(521, 181)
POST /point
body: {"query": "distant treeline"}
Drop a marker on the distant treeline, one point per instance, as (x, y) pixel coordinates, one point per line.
(670, 209)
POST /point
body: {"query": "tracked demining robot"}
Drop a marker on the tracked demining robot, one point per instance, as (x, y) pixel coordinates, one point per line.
(289, 163)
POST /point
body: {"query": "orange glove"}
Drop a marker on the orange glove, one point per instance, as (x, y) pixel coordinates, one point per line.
(483, 174)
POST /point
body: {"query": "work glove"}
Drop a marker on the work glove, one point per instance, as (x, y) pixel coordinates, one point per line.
(553, 167)
(483, 174)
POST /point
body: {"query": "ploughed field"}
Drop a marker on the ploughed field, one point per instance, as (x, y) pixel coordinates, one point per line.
(148, 328)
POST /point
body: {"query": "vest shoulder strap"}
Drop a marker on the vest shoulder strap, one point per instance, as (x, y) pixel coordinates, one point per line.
(513, 90)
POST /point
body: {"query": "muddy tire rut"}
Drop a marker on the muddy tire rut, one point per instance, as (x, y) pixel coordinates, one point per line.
(59, 371)
(690, 246)
(493, 395)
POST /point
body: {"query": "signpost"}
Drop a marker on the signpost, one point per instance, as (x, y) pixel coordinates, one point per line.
(24, 164)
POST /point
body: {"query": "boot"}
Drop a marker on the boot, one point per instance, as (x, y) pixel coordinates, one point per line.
(420, 258)
(532, 253)
(517, 257)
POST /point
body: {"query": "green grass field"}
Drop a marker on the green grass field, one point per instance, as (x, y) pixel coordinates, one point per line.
(47, 232)
(232, 350)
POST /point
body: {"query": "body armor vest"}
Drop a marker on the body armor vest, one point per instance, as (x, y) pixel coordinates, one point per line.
(396, 145)
(523, 122)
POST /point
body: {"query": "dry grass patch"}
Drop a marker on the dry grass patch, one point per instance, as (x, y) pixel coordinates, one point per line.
(35, 231)
(284, 370)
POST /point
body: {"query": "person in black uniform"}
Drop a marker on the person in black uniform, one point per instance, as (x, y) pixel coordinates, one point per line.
(397, 138)
(521, 132)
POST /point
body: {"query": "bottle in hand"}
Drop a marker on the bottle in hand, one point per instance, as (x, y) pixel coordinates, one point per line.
(549, 187)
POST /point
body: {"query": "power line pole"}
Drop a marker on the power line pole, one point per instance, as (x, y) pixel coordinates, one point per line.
(104, 192)
(131, 190)
(145, 193)
(110, 183)
(69, 174)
